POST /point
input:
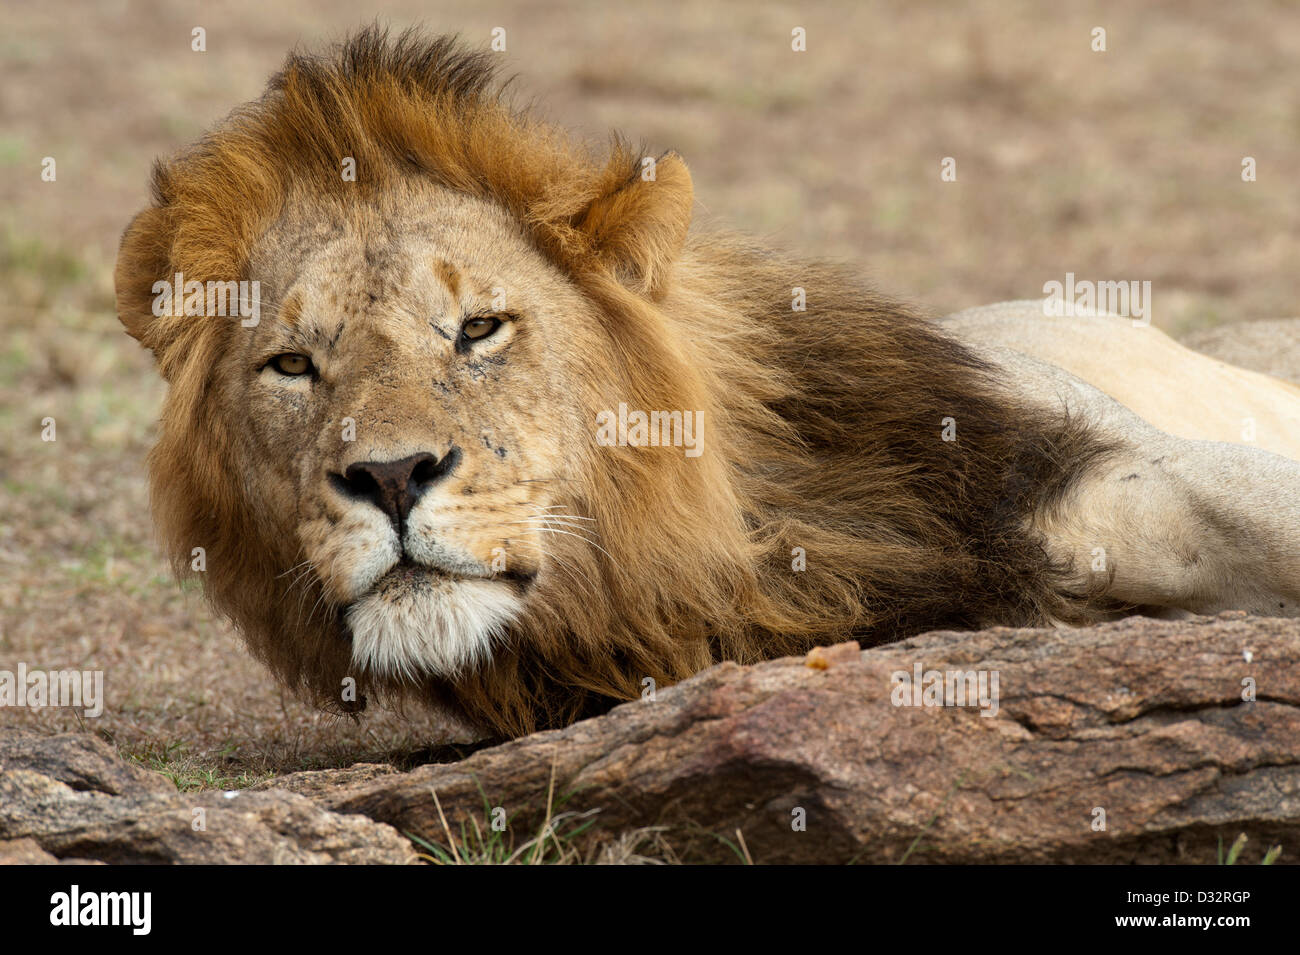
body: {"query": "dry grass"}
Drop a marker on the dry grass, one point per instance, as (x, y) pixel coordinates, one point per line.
(1116, 165)
(563, 838)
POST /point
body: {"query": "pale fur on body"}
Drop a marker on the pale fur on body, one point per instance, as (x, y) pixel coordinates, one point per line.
(1198, 515)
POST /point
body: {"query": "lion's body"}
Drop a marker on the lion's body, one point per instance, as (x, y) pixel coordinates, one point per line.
(475, 540)
(1171, 387)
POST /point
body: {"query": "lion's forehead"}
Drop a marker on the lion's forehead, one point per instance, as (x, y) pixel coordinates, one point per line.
(402, 243)
(377, 295)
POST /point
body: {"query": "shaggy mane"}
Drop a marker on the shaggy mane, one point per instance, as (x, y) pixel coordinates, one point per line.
(824, 424)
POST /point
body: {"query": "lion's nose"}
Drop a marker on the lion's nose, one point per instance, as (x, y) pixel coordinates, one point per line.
(395, 486)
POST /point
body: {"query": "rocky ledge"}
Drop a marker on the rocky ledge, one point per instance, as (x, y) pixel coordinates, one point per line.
(1140, 741)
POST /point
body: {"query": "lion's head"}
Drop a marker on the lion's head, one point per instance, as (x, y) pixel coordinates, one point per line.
(389, 464)
(386, 456)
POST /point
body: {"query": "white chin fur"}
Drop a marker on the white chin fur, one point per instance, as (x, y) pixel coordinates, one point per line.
(440, 630)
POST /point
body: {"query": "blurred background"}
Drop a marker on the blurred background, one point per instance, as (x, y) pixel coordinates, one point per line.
(1123, 164)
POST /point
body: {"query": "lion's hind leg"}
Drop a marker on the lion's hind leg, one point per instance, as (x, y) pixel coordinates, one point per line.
(1174, 525)
(1164, 523)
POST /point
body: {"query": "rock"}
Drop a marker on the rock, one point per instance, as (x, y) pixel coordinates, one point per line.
(29, 852)
(321, 783)
(1143, 720)
(76, 803)
(82, 762)
(1271, 346)
(24, 852)
(1128, 742)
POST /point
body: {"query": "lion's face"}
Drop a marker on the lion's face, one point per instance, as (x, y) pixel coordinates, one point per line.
(403, 405)
(403, 459)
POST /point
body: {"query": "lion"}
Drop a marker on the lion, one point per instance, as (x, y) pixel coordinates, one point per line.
(497, 429)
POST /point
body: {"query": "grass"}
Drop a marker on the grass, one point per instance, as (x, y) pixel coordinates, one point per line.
(738, 848)
(555, 843)
(191, 773)
(1238, 845)
(642, 846)
(559, 839)
(26, 256)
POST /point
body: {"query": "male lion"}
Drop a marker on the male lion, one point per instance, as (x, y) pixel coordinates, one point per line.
(507, 436)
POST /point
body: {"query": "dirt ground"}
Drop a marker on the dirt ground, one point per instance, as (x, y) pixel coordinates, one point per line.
(1117, 165)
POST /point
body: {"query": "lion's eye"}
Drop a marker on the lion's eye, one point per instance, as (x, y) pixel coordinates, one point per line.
(291, 364)
(479, 328)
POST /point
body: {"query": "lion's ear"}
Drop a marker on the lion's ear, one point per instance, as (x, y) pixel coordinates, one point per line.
(639, 229)
(143, 258)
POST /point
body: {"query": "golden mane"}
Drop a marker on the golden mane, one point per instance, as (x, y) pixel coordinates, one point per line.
(825, 424)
